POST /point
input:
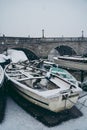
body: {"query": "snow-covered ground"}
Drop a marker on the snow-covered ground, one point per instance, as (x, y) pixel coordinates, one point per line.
(18, 119)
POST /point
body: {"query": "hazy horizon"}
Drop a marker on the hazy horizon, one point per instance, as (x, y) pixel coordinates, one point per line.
(57, 17)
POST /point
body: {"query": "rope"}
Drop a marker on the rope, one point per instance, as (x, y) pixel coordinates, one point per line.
(83, 96)
(83, 104)
(65, 104)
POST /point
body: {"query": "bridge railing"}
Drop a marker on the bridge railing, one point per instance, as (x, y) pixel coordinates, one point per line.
(64, 39)
(12, 40)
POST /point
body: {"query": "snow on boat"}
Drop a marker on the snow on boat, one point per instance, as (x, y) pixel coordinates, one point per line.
(4, 60)
(54, 69)
(16, 55)
(46, 90)
(61, 72)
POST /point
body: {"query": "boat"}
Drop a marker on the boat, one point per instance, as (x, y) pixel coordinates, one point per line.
(70, 64)
(42, 88)
(1, 85)
(1, 77)
(74, 58)
(2, 94)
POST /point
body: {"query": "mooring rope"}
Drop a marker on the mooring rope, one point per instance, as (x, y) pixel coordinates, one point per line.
(83, 95)
(83, 104)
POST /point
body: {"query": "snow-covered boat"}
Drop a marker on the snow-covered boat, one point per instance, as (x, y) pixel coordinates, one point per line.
(42, 88)
(1, 77)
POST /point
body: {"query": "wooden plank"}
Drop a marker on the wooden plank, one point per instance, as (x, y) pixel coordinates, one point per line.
(29, 78)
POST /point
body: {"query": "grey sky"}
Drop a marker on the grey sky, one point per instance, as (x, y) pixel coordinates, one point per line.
(56, 17)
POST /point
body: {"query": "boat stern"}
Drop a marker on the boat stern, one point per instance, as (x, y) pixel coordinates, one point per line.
(63, 102)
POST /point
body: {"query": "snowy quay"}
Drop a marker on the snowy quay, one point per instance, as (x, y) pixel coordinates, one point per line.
(17, 118)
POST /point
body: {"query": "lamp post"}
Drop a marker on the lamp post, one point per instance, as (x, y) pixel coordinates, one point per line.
(42, 33)
(82, 33)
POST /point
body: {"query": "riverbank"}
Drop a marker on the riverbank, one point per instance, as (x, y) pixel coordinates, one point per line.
(17, 118)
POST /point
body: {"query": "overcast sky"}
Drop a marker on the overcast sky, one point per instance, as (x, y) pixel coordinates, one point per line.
(56, 17)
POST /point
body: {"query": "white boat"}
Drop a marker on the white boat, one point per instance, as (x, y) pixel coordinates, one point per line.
(47, 90)
(75, 65)
(1, 76)
(74, 58)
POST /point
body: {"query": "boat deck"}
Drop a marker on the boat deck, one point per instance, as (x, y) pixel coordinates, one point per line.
(36, 79)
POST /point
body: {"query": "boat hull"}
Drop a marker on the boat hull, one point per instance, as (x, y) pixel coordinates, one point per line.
(55, 104)
(71, 64)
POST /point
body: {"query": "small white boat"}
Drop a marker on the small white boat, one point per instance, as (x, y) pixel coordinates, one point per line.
(42, 88)
(71, 64)
(1, 77)
(74, 58)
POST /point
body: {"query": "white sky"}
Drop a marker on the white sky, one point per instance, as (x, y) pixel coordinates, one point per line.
(56, 17)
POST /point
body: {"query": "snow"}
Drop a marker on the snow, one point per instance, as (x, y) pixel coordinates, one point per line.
(18, 119)
(16, 55)
(3, 58)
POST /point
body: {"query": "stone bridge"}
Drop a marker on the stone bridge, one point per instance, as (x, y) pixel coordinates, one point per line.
(44, 47)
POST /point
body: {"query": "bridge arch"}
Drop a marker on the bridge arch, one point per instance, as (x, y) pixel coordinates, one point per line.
(65, 50)
(61, 50)
(30, 54)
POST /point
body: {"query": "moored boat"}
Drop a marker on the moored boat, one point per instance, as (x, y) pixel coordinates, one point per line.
(3, 94)
(42, 88)
(71, 64)
(1, 77)
(74, 58)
